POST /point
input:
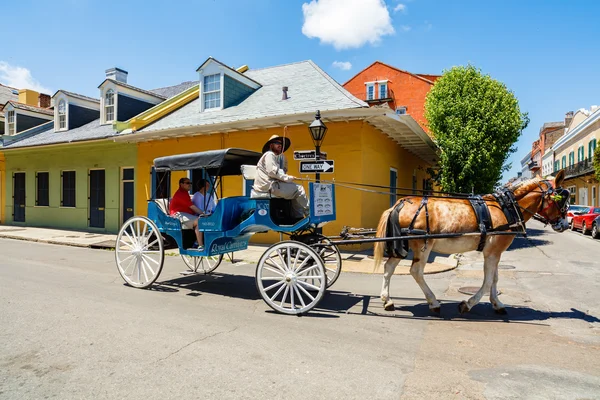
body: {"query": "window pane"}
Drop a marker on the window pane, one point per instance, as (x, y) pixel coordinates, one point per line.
(382, 91)
(212, 83)
(128, 174)
(370, 92)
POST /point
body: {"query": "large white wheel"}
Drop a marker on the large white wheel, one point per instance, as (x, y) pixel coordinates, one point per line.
(139, 252)
(202, 265)
(330, 254)
(291, 277)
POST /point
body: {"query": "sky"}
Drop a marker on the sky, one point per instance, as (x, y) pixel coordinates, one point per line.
(546, 52)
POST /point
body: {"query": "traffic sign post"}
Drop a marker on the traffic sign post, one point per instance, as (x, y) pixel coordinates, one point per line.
(317, 167)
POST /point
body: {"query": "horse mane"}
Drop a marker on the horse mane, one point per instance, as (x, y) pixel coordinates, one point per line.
(523, 188)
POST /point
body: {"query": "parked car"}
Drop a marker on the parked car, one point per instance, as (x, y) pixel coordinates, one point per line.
(572, 210)
(584, 219)
(596, 228)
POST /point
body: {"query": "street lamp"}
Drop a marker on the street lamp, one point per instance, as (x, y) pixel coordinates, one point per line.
(317, 132)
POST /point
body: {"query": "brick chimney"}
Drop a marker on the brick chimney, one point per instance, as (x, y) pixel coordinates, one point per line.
(117, 74)
(568, 118)
(44, 100)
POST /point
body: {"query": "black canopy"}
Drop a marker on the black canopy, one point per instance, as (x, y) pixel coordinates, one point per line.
(216, 162)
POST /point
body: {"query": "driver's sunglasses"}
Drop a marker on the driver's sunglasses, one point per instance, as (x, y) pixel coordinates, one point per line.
(187, 183)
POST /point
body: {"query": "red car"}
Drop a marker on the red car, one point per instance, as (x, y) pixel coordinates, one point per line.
(573, 208)
(584, 219)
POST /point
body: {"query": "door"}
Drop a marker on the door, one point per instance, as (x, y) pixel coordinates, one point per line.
(127, 190)
(19, 197)
(583, 196)
(97, 198)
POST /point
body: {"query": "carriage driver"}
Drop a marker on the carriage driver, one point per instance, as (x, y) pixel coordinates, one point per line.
(272, 178)
(181, 207)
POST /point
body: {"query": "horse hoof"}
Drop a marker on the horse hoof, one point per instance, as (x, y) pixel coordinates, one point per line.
(501, 311)
(436, 310)
(463, 307)
(389, 307)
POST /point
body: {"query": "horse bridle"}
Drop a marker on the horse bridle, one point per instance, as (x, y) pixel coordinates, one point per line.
(554, 197)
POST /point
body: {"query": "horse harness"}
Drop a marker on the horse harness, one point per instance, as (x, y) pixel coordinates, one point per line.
(504, 197)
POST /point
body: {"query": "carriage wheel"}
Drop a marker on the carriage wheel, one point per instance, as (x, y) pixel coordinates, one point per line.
(139, 252)
(202, 265)
(291, 277)
(330, 254)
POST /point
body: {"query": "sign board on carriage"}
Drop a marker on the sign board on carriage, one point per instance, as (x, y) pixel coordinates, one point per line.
(312, 167)
(308, 155)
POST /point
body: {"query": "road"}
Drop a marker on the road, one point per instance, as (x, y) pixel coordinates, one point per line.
(71, 329)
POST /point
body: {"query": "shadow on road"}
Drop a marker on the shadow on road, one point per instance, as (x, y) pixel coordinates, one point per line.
(340, 302)
(531, 240)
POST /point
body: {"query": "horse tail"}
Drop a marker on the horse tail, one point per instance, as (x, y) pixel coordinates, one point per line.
(381, 232)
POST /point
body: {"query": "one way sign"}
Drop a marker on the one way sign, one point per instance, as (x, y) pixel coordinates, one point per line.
(312, 167)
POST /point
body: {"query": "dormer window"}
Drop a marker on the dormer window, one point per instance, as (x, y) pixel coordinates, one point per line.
(62, 115)
(212, 91)
(11, 123)
(109, 105)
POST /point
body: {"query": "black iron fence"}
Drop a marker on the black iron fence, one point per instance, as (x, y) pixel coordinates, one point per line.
(581, 168)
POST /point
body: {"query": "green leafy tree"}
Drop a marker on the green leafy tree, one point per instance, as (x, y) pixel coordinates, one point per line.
(597, 162)
(476, 121)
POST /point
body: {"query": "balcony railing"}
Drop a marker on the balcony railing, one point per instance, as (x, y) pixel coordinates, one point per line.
(533, 165)
(581, 168)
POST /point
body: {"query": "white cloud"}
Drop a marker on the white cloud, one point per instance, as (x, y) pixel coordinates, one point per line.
(20, 78)
(400, 7)
(405, 28)
(347, 23)
(343, 65)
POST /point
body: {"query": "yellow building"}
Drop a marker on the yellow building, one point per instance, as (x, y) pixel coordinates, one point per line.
(574, 152)
(230, 108)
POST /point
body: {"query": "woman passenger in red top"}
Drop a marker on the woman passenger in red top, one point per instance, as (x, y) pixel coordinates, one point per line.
(181, 207)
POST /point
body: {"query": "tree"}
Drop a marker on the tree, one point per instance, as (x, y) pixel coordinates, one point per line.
(475, 120)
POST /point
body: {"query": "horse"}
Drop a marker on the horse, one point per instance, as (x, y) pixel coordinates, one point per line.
(541, 197)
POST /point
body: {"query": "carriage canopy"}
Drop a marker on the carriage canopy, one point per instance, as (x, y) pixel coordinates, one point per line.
(216, 162)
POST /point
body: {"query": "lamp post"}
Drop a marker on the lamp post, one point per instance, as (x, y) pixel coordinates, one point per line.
(317, 132)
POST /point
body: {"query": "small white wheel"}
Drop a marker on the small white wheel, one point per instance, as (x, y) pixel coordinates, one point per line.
(202, 265)
(291, 277)
(330, 254)
(139, 252)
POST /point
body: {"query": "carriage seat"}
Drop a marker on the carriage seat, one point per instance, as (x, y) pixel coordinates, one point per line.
(163, 205)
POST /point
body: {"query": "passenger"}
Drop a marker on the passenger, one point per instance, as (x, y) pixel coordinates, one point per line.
(207, 206)
(272, 178)
(181, 207)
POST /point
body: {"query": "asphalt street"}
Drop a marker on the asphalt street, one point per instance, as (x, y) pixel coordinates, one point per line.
(71, 329)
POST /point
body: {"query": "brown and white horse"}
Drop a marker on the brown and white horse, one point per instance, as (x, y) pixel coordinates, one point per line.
(451, 215)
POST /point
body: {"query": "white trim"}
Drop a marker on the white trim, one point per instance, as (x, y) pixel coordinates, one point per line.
(94, 105)
(367, 86)
(105, 106)
(211, 65)
(13, 123)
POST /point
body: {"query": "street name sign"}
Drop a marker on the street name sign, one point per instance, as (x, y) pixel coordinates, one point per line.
(313, 167)
(300, 155)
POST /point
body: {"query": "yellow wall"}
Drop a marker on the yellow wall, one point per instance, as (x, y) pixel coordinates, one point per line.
(591, 132)
(361, 154)
(2, 186)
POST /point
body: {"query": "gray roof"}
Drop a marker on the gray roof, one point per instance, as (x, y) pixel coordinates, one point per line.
(133, 88)
(6, 94)
(27, 107)
(548, 125)
(77, 95)
(90, 131)
(309, 89)
(170, 91)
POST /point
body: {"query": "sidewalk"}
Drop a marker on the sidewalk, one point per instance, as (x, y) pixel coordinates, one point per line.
(352, 261)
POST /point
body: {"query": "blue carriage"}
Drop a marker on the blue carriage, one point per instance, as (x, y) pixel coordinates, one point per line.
(291, 275)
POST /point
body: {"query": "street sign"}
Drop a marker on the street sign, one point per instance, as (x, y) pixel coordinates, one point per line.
(313, 167)
(308, 155)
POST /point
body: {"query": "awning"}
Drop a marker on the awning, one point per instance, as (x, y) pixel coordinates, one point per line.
(216, 162)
